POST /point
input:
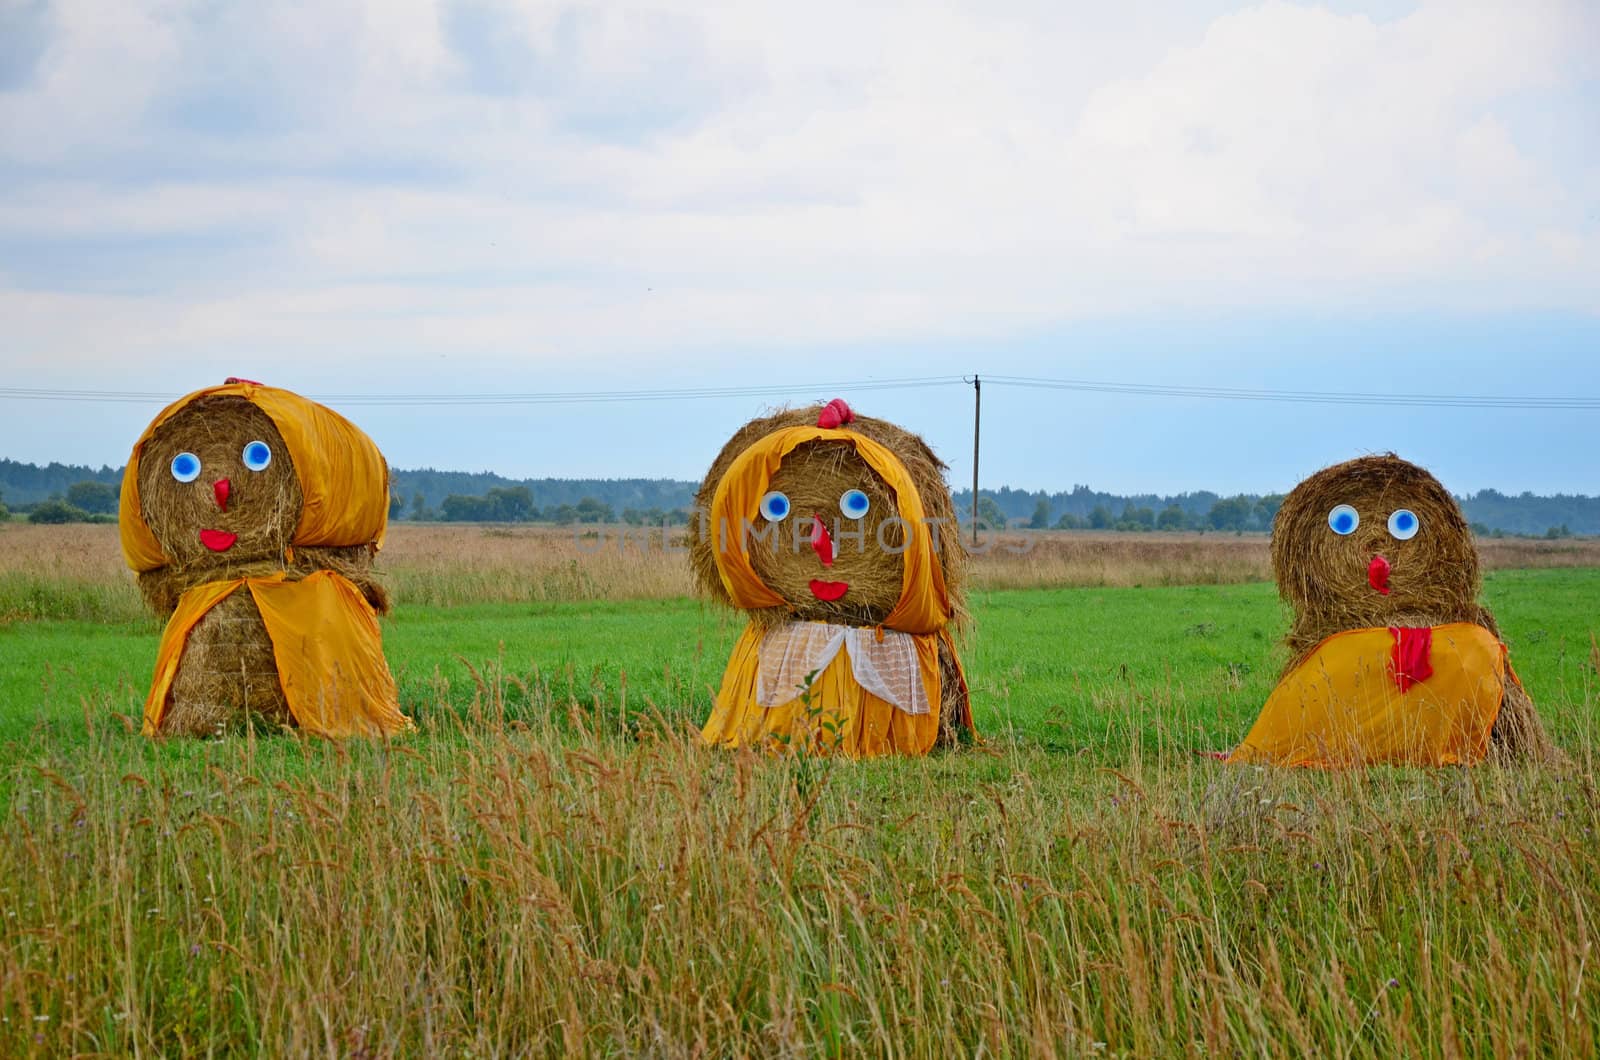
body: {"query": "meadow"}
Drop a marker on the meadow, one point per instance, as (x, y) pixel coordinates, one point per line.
(553, 865)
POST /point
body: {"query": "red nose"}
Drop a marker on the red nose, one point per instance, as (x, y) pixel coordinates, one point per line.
(1378, 574)
(221, 488)
(821, 541)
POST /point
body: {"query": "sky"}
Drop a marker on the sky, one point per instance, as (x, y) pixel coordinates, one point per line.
(443, 197)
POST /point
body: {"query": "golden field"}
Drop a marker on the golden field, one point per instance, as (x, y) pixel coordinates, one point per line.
(451, 564)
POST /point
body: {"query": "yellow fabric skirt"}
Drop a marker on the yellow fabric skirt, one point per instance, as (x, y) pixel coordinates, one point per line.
(1342, 706)
(840, 715)
(325, 642)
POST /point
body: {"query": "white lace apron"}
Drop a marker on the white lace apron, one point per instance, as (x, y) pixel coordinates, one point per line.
(888, 668)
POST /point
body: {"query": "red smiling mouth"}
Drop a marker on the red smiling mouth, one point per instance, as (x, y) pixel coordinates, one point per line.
(218, 540)
(829, 591)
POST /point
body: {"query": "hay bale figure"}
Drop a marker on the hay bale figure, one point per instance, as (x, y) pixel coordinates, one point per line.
(252, 516)
(836, 535)
(1392, 657)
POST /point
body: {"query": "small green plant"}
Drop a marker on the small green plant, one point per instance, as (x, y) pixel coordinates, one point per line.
(818, 752)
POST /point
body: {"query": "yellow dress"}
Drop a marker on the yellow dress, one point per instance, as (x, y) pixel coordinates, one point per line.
(1344, 706)
(325, 641)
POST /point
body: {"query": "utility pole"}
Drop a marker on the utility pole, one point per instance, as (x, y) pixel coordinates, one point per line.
(977, 415)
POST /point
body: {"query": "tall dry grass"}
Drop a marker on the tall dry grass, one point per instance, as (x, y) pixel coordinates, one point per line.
(542, 886)
(77, 571)
(527, 876)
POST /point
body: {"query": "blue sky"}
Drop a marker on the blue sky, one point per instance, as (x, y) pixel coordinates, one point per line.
(422, 196)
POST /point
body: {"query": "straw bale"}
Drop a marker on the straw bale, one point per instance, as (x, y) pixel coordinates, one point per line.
(263, 506)
(1434, 577)
(814, 476)
(226, 672)
(227, 669)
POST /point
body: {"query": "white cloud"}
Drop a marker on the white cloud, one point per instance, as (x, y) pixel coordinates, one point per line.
(652, 177)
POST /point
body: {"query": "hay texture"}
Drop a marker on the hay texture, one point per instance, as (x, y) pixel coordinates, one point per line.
(227, 674)
(814, 477)
(1433, 579)
(870, 554)
(313, 508)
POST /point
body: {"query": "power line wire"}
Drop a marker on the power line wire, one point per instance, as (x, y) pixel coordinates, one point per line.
(587, 397)
(581, 397)
(1296, 396)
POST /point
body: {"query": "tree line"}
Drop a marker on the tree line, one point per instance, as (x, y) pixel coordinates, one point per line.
(1226, 513)
(1489, 511)
(68, 493)
(514, 504)
(84, 502)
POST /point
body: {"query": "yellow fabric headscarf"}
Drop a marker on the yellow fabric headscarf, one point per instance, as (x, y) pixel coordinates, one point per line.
(343, 477)
(924, 604)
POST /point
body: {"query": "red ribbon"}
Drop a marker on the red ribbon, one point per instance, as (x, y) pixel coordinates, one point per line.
(1410, 662)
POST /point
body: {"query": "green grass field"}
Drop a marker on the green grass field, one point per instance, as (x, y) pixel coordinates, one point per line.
(552, 865)
(1063, 669)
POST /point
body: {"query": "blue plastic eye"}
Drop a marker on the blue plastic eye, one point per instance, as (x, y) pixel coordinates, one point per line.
(1404, 524)
(257, 455)
(186, 467)
(854, 504)
(774, 506)
(1344, 519)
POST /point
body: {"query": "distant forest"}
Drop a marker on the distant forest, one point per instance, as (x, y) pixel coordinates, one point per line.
(458, 496)
(1489, 511)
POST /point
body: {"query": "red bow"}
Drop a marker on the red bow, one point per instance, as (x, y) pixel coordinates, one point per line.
(835, 414)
